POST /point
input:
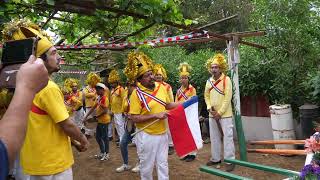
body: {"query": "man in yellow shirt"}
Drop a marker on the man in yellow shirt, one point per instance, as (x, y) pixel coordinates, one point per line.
(89, 91)
(185, 92)
(148, 104)
(103, 116)
(218, 95)
(160, 76)
(117, 95)
(46, 152)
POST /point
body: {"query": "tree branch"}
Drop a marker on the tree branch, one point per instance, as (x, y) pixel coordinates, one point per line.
(57, 18)
(219, 21)
(135, 33)
(86, 35)
(49, 18)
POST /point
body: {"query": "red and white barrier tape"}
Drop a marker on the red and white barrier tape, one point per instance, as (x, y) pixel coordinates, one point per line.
(133, 44)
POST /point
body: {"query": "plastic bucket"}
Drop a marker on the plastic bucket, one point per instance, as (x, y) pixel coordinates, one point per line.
(282, 124)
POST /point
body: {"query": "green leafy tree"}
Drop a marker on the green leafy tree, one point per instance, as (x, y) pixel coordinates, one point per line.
(293, 41)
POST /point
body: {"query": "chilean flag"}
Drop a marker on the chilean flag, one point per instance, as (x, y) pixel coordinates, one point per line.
(185, 128)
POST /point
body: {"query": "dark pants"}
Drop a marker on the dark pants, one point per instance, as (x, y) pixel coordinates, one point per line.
(207, 126)
(102, 137)
(125, 139)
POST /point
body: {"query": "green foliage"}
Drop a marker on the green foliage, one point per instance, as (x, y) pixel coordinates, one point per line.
(313, 84)
(103, 24)
(203, 12)
(293, 51)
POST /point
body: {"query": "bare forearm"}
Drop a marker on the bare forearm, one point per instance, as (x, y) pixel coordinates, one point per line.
(103, 113)
(172, 105)
(72, 130)
(142, 118)
(89, 95)
(90, 112)
(14, 121)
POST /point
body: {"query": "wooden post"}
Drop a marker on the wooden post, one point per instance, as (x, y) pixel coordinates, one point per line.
(233, 61)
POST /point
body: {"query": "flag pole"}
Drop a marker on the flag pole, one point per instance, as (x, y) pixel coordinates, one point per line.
(148, 125)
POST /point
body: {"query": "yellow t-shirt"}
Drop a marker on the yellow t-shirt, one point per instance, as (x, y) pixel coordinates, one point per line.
(76, 100)
(69, 106)
(46, 149)
(116, 97)
(125, 104)
(220, 102)
(184, 93)
(107, 93)
(90, 96)
(137, 108)
(169, 91)
(103, 102)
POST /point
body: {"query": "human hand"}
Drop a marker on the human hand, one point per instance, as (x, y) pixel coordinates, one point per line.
(216, 115)
(161, 115)
(32, 75)
(211, 112)
(84, 144)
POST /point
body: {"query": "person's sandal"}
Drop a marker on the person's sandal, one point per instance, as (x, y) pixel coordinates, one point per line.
(211, 163)
(230, 167)
(190, 158)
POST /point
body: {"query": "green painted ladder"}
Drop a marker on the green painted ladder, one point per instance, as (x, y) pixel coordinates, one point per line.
(227, 175)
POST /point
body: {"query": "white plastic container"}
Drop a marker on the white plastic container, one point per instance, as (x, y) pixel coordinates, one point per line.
(282, 124)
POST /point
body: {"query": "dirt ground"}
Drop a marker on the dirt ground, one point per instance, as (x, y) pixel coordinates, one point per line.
(86, 167)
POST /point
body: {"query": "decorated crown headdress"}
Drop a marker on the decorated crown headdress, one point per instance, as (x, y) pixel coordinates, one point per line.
(219, 60)
(23, 29)
(138, 64)
(184, 69)
(93, 79)
(113, 76)
(159, 69)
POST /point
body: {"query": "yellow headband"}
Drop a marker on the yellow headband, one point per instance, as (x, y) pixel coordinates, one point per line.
(23, 29)
(184, 69)
(113, 76)
(138, 64)
(219, 60)
(159, 69)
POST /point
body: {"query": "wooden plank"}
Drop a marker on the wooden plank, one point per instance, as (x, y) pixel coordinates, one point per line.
(268, 142)
(222, 173)
(272, 169)
(253, 44)
(278, 151)
(246, 34)
(217, 22)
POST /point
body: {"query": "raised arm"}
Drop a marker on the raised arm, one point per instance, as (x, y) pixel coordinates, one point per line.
(31, 78)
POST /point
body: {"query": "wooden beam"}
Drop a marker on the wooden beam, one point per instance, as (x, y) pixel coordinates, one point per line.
(271, 142)
(252, 44)
(219, 21)
(246, 34)
(271, 169)
(278, 151)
